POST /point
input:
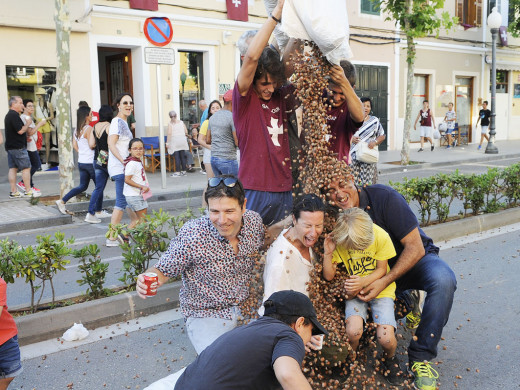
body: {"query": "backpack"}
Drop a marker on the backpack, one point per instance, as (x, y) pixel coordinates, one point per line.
(39, 141)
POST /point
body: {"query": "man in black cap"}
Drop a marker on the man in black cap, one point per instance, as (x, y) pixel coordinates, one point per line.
(265, 354)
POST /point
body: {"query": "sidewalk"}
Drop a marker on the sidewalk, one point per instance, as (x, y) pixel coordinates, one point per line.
(19, 214)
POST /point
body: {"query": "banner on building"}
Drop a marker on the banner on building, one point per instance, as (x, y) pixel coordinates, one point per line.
(149, 5)
(237, 10)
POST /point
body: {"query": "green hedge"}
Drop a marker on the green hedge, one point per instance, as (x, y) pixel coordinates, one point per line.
(485, 193)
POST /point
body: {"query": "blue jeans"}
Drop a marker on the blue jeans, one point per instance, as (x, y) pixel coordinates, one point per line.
(120, 198)
(224, 167)
(10, 363)
(96, 201)
(180, 160)
(432, 275)
(35, 164)
(272, 206)
(86, 173)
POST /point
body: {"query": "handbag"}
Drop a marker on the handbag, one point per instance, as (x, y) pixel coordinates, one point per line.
(367, 155)
(436, 134)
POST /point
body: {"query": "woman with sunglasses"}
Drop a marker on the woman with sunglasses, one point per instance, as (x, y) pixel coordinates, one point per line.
(119, 136)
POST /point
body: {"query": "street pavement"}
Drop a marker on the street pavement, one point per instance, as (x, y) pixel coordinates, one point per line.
(479, 349)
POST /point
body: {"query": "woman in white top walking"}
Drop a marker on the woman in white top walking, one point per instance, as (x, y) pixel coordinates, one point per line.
(119, 136)
(85, 150)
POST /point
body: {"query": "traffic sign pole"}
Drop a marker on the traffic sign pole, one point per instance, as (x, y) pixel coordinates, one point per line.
(161, 128)
(159, 32)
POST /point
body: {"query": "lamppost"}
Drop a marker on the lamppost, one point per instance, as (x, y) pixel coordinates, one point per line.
(494, 22)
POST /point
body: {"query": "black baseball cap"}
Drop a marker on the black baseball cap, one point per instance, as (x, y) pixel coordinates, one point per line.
(294, 303)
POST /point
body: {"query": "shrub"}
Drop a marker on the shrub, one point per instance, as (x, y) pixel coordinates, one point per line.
(92, 269)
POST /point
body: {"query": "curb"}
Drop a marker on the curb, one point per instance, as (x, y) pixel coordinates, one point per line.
(53, 323)
(55, 220)
(41, 326)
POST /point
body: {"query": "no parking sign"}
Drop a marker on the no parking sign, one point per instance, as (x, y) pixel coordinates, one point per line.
(158, 31)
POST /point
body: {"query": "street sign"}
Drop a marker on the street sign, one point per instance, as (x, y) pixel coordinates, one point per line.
(158, 31)
(159, 56)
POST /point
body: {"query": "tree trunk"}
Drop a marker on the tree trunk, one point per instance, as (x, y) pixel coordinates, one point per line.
(63, 120)
(410, 60)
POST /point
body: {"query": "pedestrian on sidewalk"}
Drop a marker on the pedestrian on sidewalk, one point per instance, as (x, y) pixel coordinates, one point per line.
(223, 139)
(265, 354)
(45, 110)
(32, 144)
(215, 255)
(136, 183)
(450, 118)
(119, 136)
(16, 133)
(427, 125)
(10, 362)
(85, 148)
(177, 144)
(373, 134)
(483, 118)
(99, 137)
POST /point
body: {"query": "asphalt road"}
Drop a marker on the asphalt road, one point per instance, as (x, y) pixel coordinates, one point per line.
(65, 281)
(479, 350)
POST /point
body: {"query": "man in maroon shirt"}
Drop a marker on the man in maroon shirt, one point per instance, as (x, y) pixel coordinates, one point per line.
(346, 113)
(260, 109)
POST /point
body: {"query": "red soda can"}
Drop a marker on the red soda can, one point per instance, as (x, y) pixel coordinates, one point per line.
(151, 279)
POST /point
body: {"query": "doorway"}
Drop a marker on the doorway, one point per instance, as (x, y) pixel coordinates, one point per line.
(464, 106)
(115, 73)
(421, 92)
(191, 66)
(372, 82)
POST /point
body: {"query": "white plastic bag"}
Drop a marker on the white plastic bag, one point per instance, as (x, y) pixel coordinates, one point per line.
(323, 22)
(76, 332)
(436, 134)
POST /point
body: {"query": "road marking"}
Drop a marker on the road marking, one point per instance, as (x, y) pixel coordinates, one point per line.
(47, 347)
(470, 238)
(107, 260)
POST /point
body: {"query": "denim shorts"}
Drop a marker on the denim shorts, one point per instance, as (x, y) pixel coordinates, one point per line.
(382, 310)
(136, 203)
(18, 158)
(10, 363)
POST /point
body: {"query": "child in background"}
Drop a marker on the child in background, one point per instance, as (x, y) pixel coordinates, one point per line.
(136, 183)
(364, 248)
(450, 119)
(10, 363)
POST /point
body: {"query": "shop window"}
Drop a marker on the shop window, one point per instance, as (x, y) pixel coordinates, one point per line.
(192, 86)
(372, 7)
(469, 12)
(502, 81)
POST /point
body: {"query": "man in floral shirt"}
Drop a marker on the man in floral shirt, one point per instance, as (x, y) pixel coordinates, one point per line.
(215, 255)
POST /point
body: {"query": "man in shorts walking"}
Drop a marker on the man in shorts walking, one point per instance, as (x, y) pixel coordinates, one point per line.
(427, 124)
(483, 117)
(16, 133)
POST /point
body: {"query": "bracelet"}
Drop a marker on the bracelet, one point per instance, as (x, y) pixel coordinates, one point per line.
(275, 19)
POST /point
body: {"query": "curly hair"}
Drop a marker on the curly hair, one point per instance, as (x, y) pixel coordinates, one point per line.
(270, 63)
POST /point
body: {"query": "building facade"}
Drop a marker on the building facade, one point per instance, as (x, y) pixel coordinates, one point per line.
(107, 56)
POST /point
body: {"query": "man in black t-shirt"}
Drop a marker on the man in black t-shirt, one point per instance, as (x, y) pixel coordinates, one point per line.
(265, 354)
(16, 134)
(483, 117)
(417, 265)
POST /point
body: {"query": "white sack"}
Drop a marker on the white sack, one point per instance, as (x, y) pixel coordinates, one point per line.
(323, 22)
(77, 332)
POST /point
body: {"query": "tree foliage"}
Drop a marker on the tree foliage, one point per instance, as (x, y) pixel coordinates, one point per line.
(514, 25)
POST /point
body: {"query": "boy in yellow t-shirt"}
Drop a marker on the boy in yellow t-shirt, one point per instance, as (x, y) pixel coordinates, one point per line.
(364, 248)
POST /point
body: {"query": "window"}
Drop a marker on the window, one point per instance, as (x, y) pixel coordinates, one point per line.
(371, 7)
(192, 85)
(502, 81)
(469, 12)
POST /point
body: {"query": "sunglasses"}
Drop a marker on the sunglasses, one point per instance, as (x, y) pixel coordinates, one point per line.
(228, 181)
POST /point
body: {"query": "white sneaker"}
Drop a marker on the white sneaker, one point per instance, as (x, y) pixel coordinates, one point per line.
(61, 206)
(176, 174)
(32, 194)
(203, 172)
(103, 214)
(110, 242)
(92, 218)
(45, 167)
(183, 173)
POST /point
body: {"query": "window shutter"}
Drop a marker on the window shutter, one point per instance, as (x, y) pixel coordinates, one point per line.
(459, 10)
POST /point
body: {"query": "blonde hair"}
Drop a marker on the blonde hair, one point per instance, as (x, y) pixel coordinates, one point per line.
(354, 229)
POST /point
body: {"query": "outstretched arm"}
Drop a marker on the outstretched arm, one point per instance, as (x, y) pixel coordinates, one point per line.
(257, 45)
(289, 374)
